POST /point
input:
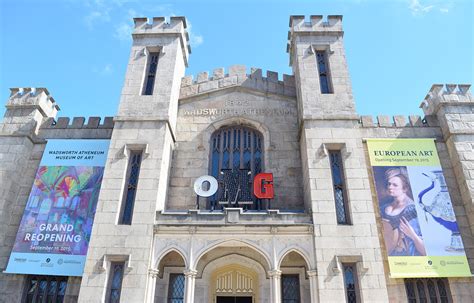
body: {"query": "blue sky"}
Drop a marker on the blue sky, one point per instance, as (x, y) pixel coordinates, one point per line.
(79, 49)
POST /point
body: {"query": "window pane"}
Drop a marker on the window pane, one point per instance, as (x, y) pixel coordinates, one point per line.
(150, 79)
(421, 291)
(43, 284)
(115, 284)
(339, 187)
(432, 292)
(321, 58)
(131, 189)
(31, 290)
(350, 283)
(235, 151)
(290, 288)
(45, 289)
(442, 291)
(410, 292)
(176, 288)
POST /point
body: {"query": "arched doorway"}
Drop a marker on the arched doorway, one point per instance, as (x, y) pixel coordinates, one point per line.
(234, 283)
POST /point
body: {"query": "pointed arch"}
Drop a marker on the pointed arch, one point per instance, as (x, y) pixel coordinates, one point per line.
(168, 250)
(238, 121)
(298, 251)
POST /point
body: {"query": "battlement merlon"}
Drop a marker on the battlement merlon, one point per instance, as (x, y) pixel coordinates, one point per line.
(316, 26)
(177, 26)
(37, 98)
(446, 94)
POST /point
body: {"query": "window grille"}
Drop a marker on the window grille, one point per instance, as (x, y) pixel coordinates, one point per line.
(427, 291)
(290, 288)
(133, 172)
(350, 282)
(42, 289)
(151, 73)
(236, 148)
(176, 288)
(323, 69)
(115, 282)
(340, 196)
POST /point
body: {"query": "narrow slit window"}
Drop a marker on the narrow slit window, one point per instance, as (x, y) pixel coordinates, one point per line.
(350, 283)
(290, 289)
(339, 187)
(151, 73)
(176, 288)
(323, 70)
(133, 172)
(115, 282)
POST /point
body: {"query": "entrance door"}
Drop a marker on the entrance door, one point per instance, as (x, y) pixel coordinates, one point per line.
(234, 299)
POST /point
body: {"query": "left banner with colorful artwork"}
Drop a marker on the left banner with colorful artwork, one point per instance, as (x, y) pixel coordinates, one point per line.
(56, 226)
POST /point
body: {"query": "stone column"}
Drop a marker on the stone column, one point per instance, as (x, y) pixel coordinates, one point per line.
(190, 279)
(313, 285)
(152, 274)
(275, 289)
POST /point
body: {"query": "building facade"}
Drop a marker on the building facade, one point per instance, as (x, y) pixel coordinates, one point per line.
(319, 239)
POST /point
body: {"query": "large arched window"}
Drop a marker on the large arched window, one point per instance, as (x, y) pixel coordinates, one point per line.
(236, 148)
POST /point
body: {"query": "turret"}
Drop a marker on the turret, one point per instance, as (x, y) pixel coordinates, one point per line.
(156, 65)
(26, 109)
(319, 64)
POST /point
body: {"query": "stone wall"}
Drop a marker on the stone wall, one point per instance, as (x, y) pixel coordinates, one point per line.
(274, 116)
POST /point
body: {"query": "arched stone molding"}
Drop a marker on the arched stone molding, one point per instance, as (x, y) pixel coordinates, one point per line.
(169, 249)
(231, 242)
(300, 251)
(240, 121)
(203, 283)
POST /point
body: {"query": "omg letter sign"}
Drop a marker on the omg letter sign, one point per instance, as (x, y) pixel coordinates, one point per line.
(262, 186)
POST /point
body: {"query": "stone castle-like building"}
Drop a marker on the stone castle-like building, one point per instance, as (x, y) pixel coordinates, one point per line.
(303, 245)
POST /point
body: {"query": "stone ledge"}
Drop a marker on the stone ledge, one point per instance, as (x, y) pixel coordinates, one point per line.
(232, 216)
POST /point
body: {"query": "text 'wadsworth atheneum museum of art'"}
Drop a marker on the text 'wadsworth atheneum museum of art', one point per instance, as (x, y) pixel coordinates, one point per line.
(237, 186)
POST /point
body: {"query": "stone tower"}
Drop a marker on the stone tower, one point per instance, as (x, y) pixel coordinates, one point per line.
(145, 123)
(20, 153)
(329, 122)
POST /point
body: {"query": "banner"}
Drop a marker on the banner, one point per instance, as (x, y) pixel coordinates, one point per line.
(56, 226)
(419, 226)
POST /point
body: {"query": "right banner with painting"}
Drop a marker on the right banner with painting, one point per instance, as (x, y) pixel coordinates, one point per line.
(421, 235)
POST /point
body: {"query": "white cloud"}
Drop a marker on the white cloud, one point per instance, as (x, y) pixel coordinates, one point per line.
(96, 17)
(194, 39)
(418, 8)
(105, 70)
(103, 11)
(123, 32)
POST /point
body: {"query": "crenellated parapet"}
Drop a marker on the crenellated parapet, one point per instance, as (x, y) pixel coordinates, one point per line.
(30, 97)
(176, 26)
(316, 25)
(237, 76)
(394, 121)
(453, 106)
(78, 123)
(26, 110)
(77, 128)
(443, 94)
